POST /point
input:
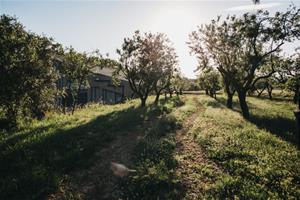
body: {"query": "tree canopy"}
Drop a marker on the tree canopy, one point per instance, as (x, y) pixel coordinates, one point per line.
(239, 47)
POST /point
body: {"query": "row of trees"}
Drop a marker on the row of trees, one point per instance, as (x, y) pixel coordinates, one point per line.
(36, 72)
(245, 50)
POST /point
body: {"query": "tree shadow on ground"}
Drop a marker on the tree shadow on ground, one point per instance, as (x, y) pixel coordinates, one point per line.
(235, 104)
(155, 163)
(33, 164)
(283, 127)
(275, 97)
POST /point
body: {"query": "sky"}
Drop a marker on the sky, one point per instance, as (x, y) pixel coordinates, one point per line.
(90, 25)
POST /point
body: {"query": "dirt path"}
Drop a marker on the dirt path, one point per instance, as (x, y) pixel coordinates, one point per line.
(98, 182)
(191, 158)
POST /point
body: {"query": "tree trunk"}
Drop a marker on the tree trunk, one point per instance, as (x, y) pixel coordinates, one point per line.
(11, 117)
(143, 101)
(229, 94)
(206, 92)
(165, 96)
(229, 100)
(212, 93)
(270, 89)
(243, 104)
(296, 94)
(64, 105)
(156, 98)
(297, 115)
(298, 98)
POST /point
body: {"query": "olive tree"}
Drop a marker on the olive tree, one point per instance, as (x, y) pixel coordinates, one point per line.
(250, 40)
(147, 62)
(209, 80)
(289, 75)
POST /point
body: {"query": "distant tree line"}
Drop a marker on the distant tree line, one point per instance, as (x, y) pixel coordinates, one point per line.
(246, 53)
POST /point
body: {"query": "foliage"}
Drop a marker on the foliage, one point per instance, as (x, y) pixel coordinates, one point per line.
(74, 71)
(177, 83)
(27, 71)
(209, 81)
(147, 61)
(240, 46)
(289, 75)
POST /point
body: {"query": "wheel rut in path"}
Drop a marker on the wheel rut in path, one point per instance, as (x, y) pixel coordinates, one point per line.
(190, 156)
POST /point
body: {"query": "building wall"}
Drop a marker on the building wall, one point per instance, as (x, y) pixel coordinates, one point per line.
(102, 90)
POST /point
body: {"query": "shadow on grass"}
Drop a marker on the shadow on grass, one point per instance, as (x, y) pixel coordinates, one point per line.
(235, 104)
(155, 163)
(275, 97)
(33, 164)
(285, 128)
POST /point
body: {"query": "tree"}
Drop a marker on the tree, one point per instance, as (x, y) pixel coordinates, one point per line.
(289, 75)
(166, 67)
(209, 80)
(177, 83)
(250, 40)
(27, 73)
(212, 45)
(146, 60)
(75, 69)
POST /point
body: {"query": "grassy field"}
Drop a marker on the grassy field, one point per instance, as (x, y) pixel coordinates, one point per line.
(39, 157)
(57, 158)
(257, 158)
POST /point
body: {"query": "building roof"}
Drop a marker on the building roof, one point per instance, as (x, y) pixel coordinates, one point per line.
(107, 72)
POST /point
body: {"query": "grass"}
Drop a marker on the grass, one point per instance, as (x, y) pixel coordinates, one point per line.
(154, 158)
(35, 160)
(275, 116)
(256, 161)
